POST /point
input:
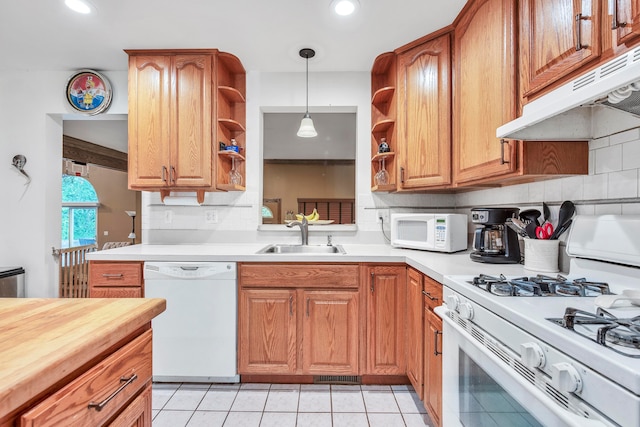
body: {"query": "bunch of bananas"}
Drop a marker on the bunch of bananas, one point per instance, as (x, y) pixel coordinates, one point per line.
(313, 216)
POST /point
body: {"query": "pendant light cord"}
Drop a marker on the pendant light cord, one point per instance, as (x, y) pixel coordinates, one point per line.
(307, 110)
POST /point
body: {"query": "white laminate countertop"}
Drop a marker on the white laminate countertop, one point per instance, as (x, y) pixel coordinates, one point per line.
(434, 264)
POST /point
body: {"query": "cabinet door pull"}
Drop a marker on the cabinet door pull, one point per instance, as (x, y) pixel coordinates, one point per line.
(372, 282)
(435, 342)
(164, 174)
(579, 18)
(99, 406)
(173, 175)
(402, 175)
(428, 295)
(291, 305)
(308, 300)
(502, 143)
(113, 276)
(614, 17)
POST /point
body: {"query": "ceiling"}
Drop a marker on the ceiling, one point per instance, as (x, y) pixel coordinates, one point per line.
(265, 34)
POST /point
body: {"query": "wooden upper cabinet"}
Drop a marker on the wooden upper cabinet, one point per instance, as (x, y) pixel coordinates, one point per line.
(191, 149)
(384, 100)
(424, 115)
(170, 121)
(625, 20)
(181, 105)
(149, 128)
(485, 90)
(557, 37)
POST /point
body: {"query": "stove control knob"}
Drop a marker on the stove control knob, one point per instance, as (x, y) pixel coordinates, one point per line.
(532, 355)
(565, 377)
(453, 302)
(466, 311)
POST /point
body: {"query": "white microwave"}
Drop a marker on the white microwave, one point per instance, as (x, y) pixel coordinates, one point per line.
(441, 232)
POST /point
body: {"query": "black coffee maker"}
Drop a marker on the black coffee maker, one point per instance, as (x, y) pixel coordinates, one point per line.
(493, 241)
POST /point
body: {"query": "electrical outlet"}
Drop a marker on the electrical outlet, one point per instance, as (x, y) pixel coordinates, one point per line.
(106, 233)
(211, 217)
(382, 215)
(168, 217)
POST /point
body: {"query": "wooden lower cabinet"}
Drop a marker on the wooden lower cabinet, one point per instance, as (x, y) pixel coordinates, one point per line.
(138, 413)
(116, 391)
(268, 331)
(433, 365)
(116, 279)
(298, 319)
(414, 334)
(330, 331)
(385, 289)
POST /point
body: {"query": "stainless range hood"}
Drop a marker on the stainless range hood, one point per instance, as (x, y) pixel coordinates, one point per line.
(601, 102)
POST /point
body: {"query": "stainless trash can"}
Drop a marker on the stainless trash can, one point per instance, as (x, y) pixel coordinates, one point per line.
(11, 282)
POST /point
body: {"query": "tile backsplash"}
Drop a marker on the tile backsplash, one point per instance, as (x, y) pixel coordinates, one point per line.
(611, 187)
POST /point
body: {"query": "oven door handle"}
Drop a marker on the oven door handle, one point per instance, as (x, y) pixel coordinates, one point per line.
(567, 417)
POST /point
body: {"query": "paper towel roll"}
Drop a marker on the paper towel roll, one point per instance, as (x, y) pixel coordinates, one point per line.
(181, 200)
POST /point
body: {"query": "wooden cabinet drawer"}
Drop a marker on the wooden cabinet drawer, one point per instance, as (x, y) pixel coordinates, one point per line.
(299, 275)
(119, 377)
(432, 293)
(115, 274)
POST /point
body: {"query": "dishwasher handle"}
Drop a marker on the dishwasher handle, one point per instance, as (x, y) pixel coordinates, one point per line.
(190, 270)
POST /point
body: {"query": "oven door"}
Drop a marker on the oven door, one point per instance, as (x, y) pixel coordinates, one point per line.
(478, 389)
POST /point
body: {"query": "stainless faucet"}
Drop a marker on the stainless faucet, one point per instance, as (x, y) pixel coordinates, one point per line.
(304, 229)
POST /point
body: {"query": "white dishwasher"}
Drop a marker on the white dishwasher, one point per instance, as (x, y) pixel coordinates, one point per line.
(195, 339)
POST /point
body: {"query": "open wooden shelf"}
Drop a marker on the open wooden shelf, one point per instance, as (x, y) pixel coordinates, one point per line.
(382, 95)
(232, 125)
(387, 187)
(231, 94)
(231, 154)
(383, 125)
(230, 187)
(379, 156)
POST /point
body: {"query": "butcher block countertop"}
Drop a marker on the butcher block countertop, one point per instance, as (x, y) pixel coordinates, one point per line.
(43, 341)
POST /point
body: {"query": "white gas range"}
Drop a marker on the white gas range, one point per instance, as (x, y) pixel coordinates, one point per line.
(510, 357)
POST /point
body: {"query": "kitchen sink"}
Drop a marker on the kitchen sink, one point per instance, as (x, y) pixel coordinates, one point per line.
(302, 249)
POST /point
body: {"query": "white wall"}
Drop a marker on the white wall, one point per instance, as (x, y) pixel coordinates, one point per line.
(32, 106)
(238, 213)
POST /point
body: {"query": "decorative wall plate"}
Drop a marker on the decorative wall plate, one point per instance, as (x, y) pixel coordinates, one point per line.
(89, 92)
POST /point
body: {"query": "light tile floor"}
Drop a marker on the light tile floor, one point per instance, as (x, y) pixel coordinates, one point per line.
(286, 405)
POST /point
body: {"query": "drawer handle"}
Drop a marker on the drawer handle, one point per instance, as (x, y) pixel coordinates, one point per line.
(99, 406)
(428, 295)
(113, 276)
(435, 342)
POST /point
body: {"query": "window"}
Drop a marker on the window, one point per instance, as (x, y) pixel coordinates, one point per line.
(79, 212)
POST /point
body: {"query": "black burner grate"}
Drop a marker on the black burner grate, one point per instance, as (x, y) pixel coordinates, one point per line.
(540, 285)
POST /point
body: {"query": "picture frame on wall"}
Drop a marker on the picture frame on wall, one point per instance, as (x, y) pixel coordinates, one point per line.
(89, 92)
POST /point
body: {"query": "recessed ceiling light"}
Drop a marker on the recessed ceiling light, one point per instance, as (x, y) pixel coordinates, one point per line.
(80, 6)
(344, 7)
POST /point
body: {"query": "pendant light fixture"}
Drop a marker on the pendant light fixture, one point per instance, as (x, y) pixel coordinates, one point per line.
(306, 126)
